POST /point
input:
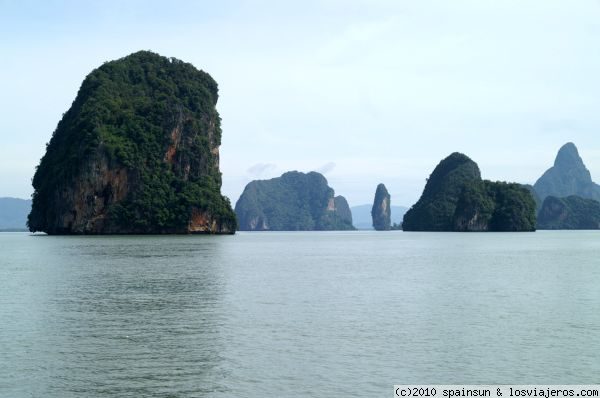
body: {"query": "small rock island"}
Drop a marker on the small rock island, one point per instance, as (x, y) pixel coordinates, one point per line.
(137, 153)
(455, 198)
(293, 202)
(381, 211)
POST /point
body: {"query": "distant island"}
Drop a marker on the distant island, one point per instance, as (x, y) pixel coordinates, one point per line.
(455, 198)
(571, 212)
(567, 177)
(137, 152)
(293, 202)
(13, 214)
(567, 198)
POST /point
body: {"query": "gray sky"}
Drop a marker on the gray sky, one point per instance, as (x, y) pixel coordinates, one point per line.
(363, 91)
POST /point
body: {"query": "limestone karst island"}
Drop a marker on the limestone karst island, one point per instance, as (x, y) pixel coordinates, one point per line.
(293, 202)
(137, 152)
(457, 199)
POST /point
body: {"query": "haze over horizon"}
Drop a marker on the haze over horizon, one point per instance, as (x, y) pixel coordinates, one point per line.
(364, 92)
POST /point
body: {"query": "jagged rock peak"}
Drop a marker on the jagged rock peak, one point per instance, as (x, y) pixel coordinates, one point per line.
(568, 157)
(381, 211)
(567, 177)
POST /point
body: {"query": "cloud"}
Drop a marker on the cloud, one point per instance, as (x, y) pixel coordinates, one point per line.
(326, 168)
(259, 169)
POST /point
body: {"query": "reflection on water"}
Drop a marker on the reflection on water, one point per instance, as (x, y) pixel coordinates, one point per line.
(295, 314)
(113, 316)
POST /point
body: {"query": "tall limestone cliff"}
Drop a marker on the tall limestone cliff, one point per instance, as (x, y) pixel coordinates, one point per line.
(137, 152)
(455, 198)
(342, 213)
(293, 202)
(381, 211)
(567, 177)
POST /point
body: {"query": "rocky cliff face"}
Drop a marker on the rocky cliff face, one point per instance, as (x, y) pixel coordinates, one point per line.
(381, 211)
(137, 152)
(342, 210)
(455, 198)
(82, 205)
(568, 176)
(293, 202)
(572, 212)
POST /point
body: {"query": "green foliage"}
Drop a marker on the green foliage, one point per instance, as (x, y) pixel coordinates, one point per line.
(126, 112)
(456, 199)
(514, 207)
(572, 212)
(474, 208)
(534, 194)
(435, 210)
(293, 202)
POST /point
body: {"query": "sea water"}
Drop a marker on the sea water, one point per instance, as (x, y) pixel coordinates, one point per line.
(298, 314)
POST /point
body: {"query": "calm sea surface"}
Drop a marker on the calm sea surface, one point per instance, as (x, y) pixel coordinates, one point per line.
(295, 314)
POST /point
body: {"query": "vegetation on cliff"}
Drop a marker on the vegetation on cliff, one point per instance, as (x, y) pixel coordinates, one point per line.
(137, 152)
(572, 212)
(381, 210)
(293, 202)
(534, 194)
(455, 198)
